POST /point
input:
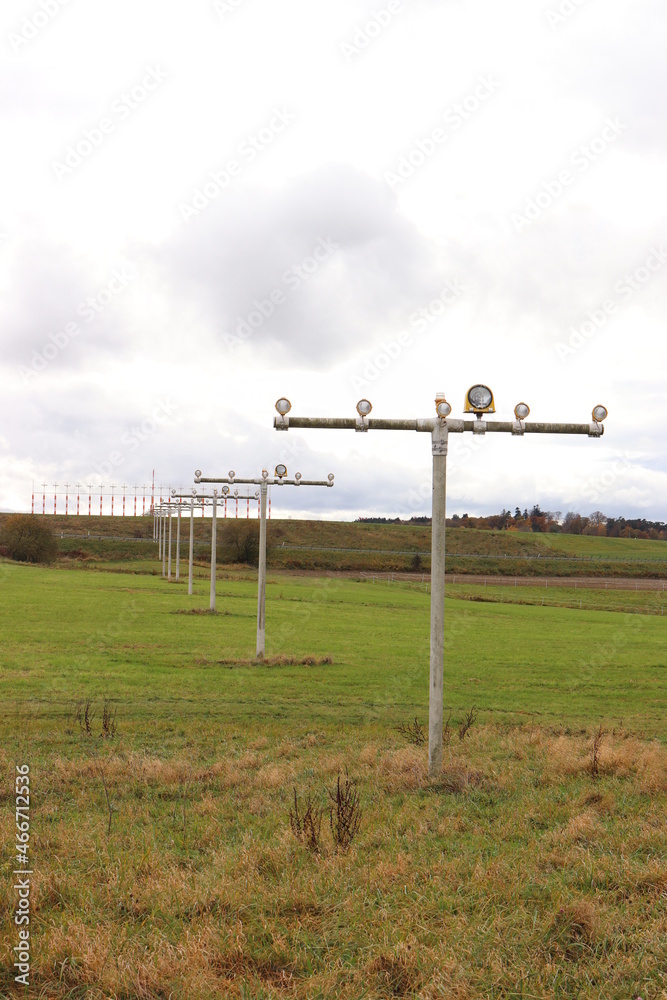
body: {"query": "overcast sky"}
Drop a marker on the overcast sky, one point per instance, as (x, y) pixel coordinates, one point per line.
(210, 205)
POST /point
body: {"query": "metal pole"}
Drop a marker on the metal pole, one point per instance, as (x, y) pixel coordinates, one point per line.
(164, 547)
(261, 581)
(169, 556)
(191, 552)
(436, 686)
(213, 547)
(178, 542)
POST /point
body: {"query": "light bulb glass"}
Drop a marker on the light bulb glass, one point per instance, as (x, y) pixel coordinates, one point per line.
(600, 413)
(283, 406)
(480, 396)
(364, 407)
(521, 411)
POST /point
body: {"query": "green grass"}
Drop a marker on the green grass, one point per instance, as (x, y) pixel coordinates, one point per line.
(516, 873)
(121, 635)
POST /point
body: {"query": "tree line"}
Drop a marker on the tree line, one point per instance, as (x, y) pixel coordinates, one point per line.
(539, 520)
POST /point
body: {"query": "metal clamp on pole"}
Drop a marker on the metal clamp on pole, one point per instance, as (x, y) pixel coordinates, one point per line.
(440, 438)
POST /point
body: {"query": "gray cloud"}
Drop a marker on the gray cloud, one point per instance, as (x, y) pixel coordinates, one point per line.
(239, 252)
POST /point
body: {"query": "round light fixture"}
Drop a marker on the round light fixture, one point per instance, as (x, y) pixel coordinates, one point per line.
(330, 477)
(364, 407)
(442, 408)
(280, 471)
(283, 406)
(173, 493)
(480, 397)
(198, 473)
(298, 476)
(600, 413)
(225, 490)
(231, 473)
(194, 493)
(521, 411)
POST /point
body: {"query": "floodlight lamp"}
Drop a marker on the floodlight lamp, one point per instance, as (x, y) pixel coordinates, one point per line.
(231, 473)
(442, 407)
(173, 493)
(197, 473)
(521, 411)
(225, 490)
(194, 493)
(364, 407)
(280, 471)
(600, 413)
(479, 399)
(330, 477)
(298, 476)
(283, 406)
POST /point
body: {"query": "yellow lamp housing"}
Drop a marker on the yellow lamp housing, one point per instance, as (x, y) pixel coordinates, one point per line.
(479, 399)
(280, 471)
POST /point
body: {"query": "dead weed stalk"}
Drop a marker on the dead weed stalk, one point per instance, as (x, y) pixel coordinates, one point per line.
(344, 812)
(306, 826)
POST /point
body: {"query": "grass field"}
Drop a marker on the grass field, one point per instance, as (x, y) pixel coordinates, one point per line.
(517, 873)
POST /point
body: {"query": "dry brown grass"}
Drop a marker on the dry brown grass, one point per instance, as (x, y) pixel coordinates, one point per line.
(524, 864)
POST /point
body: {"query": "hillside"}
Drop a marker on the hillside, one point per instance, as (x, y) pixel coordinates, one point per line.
(338, 545)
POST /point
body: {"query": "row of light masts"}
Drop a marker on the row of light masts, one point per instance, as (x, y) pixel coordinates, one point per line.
(479, 402)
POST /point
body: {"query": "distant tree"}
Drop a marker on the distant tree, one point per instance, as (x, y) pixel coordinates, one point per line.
(27, 538)
(242, 537)
(574, 524)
